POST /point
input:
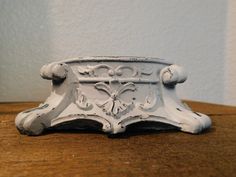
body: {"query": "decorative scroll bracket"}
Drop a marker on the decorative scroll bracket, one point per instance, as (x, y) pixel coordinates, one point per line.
(115, 94)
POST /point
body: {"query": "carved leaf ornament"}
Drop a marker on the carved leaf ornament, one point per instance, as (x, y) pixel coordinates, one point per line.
(117, 71)
(114, 105)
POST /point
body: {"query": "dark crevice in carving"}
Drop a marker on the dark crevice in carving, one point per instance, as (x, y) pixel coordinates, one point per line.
(179, 109)
(197, 114)
(58, 82)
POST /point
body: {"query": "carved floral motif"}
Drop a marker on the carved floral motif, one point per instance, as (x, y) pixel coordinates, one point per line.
(114, 105)
(150, 101)
(82, 101)
(116, 71)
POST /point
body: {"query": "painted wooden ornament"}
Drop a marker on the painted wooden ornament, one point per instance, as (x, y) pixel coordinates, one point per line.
(112, 93)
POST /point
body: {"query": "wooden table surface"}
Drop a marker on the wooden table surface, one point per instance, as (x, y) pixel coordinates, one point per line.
(76, 153)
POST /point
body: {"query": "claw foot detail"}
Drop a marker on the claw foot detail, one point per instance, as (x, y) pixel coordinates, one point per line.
(29, 124)
(189, 121)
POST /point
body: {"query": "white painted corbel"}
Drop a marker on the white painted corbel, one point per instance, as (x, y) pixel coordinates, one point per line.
(112, 92)
(187, 120)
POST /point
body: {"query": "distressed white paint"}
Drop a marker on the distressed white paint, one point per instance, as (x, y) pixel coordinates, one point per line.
(188, 32)
(114, 92)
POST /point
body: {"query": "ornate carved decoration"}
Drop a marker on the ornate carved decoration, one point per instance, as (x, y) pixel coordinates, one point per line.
(117, 71)
(70, 100)
(114, 105)
(81, 101)
(150, 101)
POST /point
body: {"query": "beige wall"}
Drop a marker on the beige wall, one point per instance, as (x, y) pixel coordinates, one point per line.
(230, 59)
(188, 32)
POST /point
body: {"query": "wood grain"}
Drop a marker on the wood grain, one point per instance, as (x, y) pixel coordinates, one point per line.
(75, 153)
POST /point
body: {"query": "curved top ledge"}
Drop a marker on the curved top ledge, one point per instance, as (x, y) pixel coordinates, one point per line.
(118, 59)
